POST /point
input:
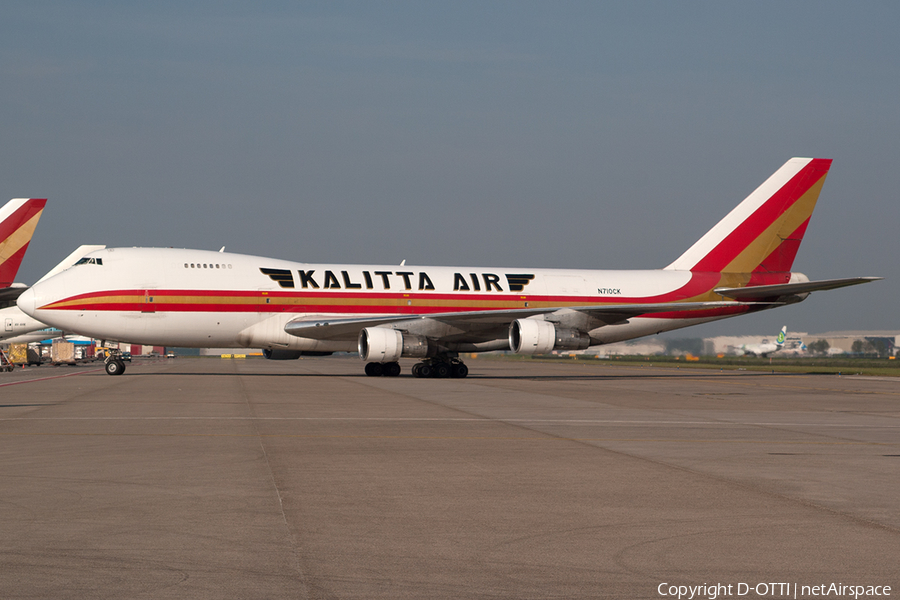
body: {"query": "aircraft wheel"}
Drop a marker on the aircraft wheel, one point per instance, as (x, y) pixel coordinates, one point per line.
(441, 370)
(374, 369)
(415, 369)
(390, 369)
(115, 367)
(459, 370)
(425, 370)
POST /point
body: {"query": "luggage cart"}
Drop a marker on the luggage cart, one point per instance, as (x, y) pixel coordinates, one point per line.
(5, 363)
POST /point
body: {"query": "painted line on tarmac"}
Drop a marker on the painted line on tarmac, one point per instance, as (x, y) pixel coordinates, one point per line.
(539, 438)
(843, 391)
(486, 420)
(48, 378)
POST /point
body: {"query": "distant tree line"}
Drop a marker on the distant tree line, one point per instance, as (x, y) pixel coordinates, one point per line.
(693, 346)
(883, 347)
(819, 347)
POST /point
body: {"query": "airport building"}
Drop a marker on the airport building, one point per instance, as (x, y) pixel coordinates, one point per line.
(886, 343)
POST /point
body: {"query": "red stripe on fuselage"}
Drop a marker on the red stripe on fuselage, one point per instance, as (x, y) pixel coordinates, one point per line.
(381, 302)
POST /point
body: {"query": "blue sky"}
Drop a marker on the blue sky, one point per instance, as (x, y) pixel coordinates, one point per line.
(584, 135)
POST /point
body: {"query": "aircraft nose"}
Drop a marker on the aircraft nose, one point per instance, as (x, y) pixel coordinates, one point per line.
(26, 301)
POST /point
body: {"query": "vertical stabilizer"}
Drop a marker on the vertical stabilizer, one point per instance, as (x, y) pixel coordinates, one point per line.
(779, 341)
(763, 233)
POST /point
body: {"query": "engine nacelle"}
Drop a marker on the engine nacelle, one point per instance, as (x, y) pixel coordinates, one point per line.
(530, 336)
(378, 344)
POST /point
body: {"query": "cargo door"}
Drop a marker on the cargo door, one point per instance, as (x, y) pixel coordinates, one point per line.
(147, 305)
(263, 301)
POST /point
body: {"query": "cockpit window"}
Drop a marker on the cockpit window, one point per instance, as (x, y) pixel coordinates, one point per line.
(89, 261)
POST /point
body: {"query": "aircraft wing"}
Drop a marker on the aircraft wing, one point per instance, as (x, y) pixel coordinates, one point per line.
(759, 292)
(348, 329)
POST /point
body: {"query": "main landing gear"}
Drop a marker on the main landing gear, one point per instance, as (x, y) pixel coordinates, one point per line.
(374, 369)
(439, 367)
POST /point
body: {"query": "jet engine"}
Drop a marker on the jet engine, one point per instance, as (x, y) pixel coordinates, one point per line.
(530, 336)
(382, 345)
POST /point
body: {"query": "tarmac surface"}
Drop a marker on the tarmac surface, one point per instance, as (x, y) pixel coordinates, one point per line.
(230, 478)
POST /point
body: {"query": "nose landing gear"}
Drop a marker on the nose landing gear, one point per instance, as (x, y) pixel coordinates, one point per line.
(114, 363)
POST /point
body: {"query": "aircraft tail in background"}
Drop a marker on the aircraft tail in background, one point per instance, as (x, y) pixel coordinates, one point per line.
(18, 219)
(779, 341)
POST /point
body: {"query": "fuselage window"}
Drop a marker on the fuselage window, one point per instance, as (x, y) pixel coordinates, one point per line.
(185, 265)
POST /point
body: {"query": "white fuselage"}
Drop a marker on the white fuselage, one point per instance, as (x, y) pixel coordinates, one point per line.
(196, 298)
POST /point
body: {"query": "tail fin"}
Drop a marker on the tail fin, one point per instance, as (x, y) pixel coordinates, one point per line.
(779, 341)
(763, 233)
(18, 218)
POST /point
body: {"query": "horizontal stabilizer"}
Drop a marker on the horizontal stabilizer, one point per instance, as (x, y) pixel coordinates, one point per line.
(758, 292)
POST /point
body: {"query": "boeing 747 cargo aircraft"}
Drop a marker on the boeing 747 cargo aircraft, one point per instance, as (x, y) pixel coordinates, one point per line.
(196, 298)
